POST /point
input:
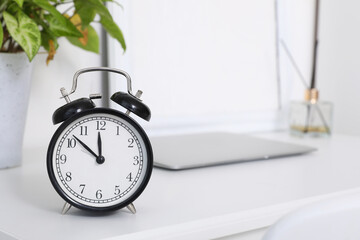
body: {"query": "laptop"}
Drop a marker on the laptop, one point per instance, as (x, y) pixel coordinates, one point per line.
(189, 151)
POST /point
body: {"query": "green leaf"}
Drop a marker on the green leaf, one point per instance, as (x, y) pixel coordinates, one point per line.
(12, 8)
(114, 31)
(44, 4)
(46, 37)
(59, 24)
(87, 15)
(1, 36)
(86, 12)
(19, 2)
(60, 28)
(116, 2)
(93, 5)
(3, 4)
(105, 17)
(25, 32)
(92, 44)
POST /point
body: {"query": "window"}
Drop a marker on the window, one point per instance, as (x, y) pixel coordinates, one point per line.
(201, 64)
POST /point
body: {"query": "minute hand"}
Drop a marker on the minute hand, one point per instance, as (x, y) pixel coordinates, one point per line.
(86, 147)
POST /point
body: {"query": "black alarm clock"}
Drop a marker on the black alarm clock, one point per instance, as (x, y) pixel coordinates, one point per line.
(100, 159)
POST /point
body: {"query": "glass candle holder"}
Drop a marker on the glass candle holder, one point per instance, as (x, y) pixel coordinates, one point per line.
(311, 117)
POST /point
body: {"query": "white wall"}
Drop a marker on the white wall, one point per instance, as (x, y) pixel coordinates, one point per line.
(202, 63)
(339, 62)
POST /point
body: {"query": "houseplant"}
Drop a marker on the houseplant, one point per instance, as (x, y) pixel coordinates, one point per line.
(29, 24)
(26, 27)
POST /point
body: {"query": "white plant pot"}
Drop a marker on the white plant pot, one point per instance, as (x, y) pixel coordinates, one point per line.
(15, 78)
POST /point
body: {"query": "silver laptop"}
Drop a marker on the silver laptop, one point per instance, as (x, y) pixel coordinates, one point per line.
(209, 149)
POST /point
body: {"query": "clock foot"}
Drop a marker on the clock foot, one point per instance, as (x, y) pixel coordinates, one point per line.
(131, 208)
(66, 208)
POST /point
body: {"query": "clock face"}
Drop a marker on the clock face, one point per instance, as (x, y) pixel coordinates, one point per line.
(100, 160)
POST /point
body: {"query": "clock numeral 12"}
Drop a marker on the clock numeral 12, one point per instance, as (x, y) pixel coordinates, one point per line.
(100, 125)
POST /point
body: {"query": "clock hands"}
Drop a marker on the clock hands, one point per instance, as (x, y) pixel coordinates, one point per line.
(85, 146)
(99, 159)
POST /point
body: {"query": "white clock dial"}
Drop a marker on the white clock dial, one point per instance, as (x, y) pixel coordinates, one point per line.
(100, 160)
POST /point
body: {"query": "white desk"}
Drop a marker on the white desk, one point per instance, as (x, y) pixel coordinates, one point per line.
(192, 204)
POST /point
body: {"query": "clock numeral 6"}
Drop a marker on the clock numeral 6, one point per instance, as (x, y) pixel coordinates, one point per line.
(99, 194)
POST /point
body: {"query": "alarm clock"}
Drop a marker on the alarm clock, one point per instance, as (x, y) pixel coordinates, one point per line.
(100, 159)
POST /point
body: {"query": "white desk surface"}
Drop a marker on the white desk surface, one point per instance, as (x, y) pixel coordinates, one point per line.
(191, 204)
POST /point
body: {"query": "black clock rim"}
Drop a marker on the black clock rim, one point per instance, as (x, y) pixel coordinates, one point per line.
(76, 204)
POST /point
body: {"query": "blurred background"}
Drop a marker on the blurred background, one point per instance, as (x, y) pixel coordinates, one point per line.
(213, 64)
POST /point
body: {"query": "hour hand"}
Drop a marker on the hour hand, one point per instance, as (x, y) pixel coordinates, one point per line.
(86, 147)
